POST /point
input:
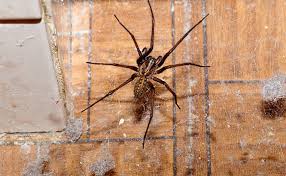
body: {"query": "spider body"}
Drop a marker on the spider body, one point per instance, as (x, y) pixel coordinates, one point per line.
(148, 67)
(142, 87)
(145, 72)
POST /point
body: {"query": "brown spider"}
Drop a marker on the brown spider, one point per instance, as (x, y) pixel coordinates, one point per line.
(148, 67)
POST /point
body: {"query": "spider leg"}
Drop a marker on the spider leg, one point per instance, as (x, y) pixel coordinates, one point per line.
(132, 36)
(112, 91)
(178, 42)
(116, 65)
(168, 87)
(151, 114)
(178, 65)
(153, 28)
(140, 59)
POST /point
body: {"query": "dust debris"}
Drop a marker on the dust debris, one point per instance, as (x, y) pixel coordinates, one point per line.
(274, 88)
(121, 121)
(25, 148)
(38, 166)
(2, 135)
(274, 96)
(210, 121)
(20, 43)
(104, 164)
(242, 143)
(73, 130)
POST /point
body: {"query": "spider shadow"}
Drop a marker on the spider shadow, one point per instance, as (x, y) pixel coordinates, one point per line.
(159, 102)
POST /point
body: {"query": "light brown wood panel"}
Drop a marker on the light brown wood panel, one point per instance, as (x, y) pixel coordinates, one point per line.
(14, 159)
(245, 39)
(190, 119)
(113, 44)
(245, 42)
(125, 158)
(72, 23)
(245, 139)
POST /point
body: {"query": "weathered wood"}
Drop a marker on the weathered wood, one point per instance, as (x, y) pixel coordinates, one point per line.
(245, 42)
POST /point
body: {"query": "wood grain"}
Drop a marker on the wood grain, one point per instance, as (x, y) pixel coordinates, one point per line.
(244, 42)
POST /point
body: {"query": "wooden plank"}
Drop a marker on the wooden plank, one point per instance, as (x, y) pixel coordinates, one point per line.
(245, 39)
(190, 125)
(245, 44)
(15, 158)
(72, 23)
(245, 141)
(116, 158)
(113, 44)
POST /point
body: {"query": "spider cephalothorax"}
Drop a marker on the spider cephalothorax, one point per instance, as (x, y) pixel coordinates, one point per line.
(145, 72)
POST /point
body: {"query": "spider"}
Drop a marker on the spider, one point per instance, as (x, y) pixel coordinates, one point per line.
(147, 69)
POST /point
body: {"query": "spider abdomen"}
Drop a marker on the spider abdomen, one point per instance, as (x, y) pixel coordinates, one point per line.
(142, 88)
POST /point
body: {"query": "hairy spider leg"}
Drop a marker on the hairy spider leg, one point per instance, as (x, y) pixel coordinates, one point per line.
(151, 114)
(132, 36)
(140, 60)
(168, 87)
(115, 64)
(178, 65)
(152, 30)
(178, 42)
(112, 91)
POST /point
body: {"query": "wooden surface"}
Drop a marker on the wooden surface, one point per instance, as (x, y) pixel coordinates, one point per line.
(220, 129)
